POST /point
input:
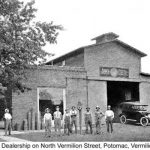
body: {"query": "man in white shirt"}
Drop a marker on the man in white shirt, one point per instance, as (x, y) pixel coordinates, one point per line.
(7, 117)
(57, 120)
(109, 116)
(47, 122)
(73, 114)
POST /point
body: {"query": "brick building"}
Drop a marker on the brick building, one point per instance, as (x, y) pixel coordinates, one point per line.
(107, 72)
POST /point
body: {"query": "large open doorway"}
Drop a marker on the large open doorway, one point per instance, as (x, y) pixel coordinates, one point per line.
(118, 92)
(50, 98)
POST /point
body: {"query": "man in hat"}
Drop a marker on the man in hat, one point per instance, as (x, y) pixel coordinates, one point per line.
(7, 117)
(57, 120)
(88, 120)
(109, 116)
(73, 114)
(67, 122)
(47, 122)
(98, 116)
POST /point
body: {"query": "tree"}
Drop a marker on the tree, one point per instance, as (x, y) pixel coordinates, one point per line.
(21, 41)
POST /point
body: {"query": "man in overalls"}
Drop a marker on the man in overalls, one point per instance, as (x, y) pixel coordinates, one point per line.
(98, 117)
(88, 120)
(73, 114)
(67, 122)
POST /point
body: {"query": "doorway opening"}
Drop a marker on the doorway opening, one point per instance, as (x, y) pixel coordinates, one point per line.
(50, 98)
(118, 92)
(43, 104)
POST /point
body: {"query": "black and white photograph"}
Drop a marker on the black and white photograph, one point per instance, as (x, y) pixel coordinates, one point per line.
(75, 71)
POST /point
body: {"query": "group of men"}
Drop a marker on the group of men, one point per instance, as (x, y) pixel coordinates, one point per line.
(109, 116)
(70, 120)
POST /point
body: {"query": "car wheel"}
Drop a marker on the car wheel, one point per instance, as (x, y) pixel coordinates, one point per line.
(144, 121)
(123, 119)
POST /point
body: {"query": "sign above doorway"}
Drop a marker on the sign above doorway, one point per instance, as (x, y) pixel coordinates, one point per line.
(114, 72)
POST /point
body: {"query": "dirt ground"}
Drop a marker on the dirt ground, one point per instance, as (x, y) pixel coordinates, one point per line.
(127, 132)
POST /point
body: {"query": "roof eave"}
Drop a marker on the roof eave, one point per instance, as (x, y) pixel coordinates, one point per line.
(69, 53)
(145, 74)
(136, 50)
(64, 55)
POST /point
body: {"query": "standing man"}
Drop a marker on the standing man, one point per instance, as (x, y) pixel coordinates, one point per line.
(88, 120)
(57, 120)
(67, 122)
(98, 117)
(7, 117)
(47, 122)
(73, 114)
(109, 116)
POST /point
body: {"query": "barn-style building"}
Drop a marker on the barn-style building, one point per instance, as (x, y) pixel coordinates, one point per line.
(107, 72)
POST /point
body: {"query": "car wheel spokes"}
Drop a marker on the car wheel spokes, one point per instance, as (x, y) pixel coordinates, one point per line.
(144, 121)
(123, 119)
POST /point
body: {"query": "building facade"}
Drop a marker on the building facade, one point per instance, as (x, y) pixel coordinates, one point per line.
(107, 72)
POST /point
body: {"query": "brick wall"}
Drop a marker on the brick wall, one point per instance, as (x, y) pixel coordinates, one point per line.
(97, 91)
(144, 88)
(70, 78)
(111, 55)
(76, 60)
(76, 91)
(22, 104)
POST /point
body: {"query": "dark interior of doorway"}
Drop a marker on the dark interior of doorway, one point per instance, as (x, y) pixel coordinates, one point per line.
(118, 92)
(43, 104)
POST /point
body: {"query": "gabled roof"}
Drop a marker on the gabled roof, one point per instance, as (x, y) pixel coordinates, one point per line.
(69, 54)
(122, 44)
(81, 49)
(132, 48)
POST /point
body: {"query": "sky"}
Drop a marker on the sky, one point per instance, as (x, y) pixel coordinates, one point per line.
(85, 19)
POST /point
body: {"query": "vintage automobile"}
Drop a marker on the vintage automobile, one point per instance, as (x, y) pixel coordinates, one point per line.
(134, 111)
